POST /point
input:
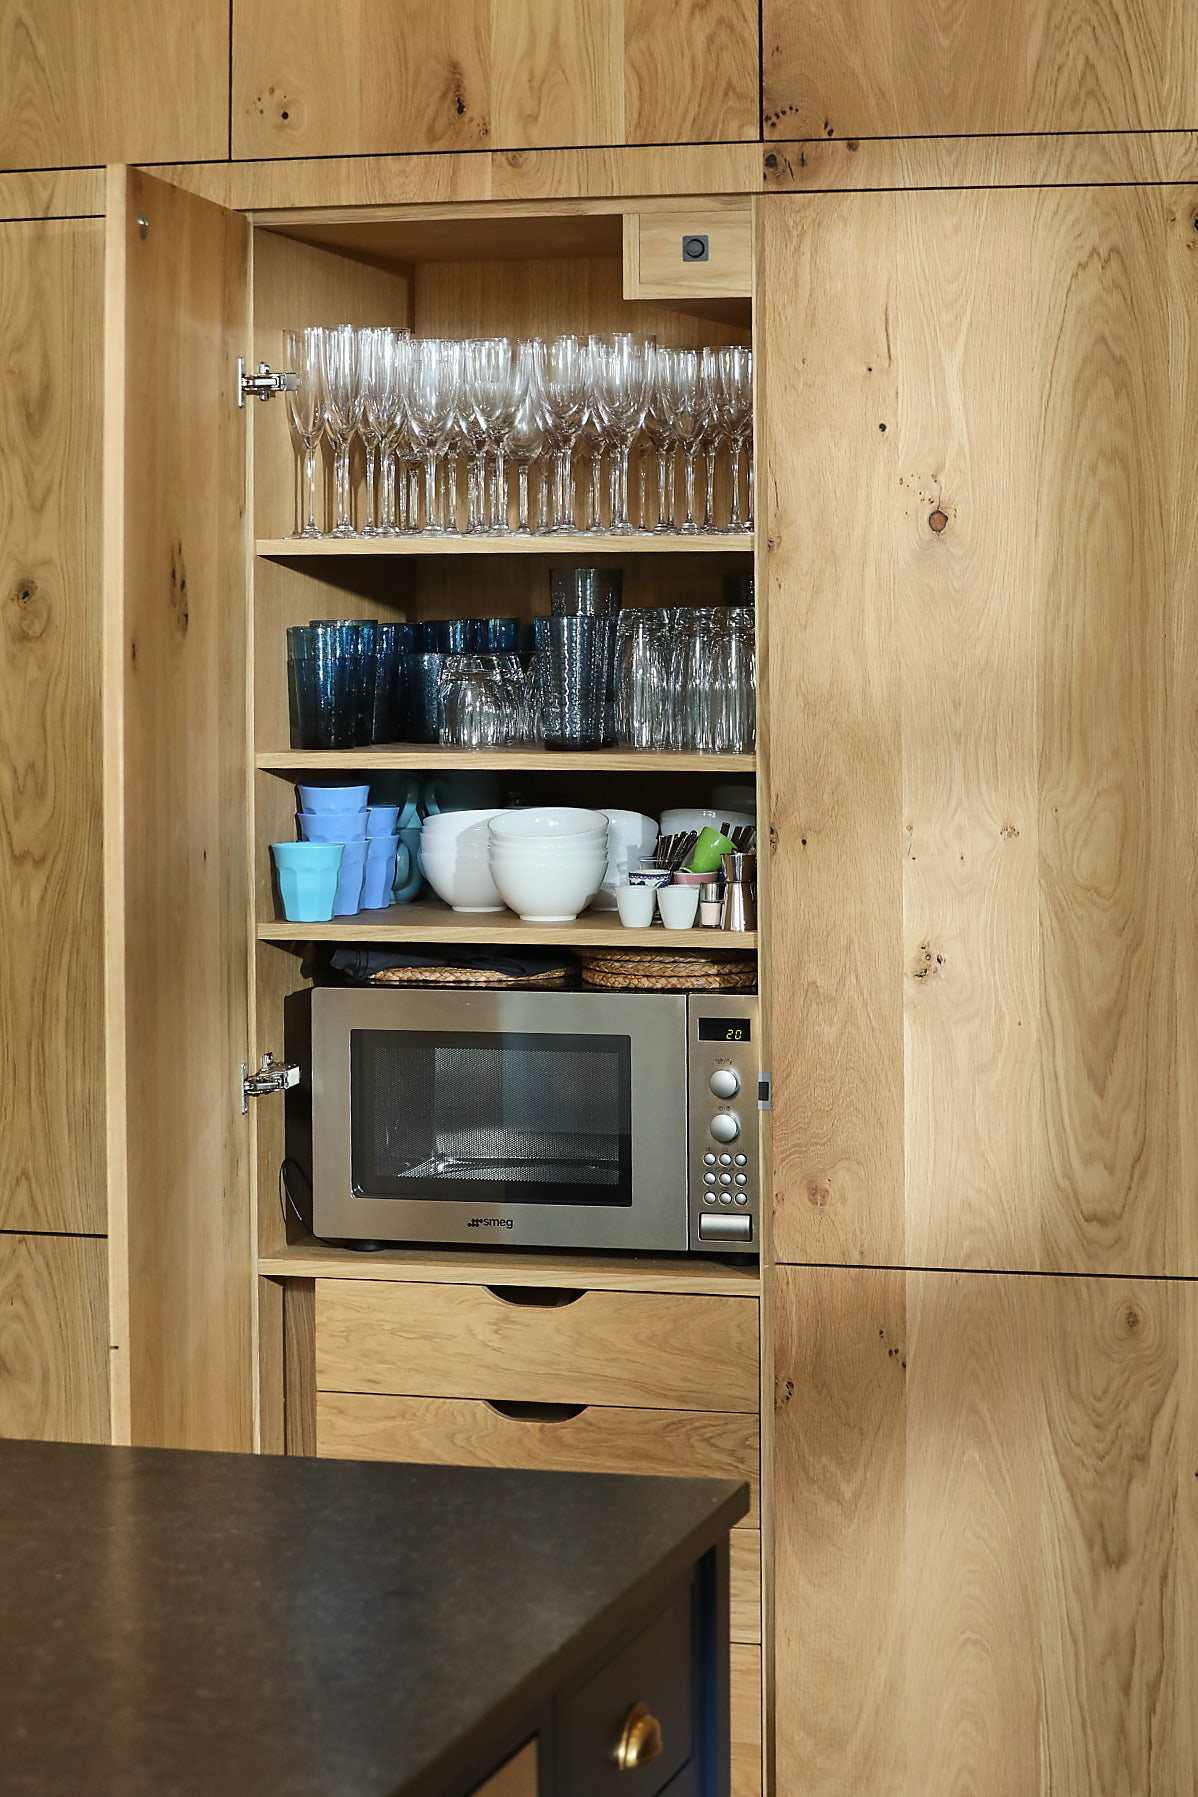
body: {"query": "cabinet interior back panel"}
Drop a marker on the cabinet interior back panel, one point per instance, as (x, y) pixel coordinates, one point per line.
(982, 641)
(52, 1118)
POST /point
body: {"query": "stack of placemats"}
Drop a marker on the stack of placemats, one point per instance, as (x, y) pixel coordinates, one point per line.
(489, 977)
(652, 970)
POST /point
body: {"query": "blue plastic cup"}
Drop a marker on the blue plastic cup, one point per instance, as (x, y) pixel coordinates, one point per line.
(333, 798)
(383, 855)
(332, 826)
(348, 899)
(308, 875)
(382, 820)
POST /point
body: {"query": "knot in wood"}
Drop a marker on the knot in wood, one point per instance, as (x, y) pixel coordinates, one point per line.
(938, 521)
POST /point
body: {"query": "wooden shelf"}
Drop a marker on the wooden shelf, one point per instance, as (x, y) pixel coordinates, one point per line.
(301, 548)
(430, 921)
(310, 1259)
(431, 756)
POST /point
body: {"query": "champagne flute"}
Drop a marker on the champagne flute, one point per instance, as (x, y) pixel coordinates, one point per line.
(566, 394)
(341, 407)
(689, 413)
(524, 434)
(304, 410)
(737, 376)
(622, 381)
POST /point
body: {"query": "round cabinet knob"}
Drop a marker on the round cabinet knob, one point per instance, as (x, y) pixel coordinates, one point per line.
(723, 1083)
(640, 1739)
(725, 1127)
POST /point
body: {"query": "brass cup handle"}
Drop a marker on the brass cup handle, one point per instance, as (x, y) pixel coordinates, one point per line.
(640, 1739)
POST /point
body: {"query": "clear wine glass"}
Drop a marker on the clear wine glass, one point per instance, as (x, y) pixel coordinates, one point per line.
(566, 396)
(392, 403)
(374, 362)
(304, 410)
(622, 381)
(474, 430)
(524, 435)
(433, 391)
(713, 430)
(737, 380)
(341, 407)
(659, 429)
(685, 388)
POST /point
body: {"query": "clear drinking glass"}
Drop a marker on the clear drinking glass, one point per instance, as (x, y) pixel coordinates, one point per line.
(660, 431)
(640, 687)
(700, 711)
(685, 391)
(376, 368)
(341, 407)
(621, 383)
(714, 430)
(433, 391)
(304, 411)
(737, 382)
(474, 708)
(734, 678)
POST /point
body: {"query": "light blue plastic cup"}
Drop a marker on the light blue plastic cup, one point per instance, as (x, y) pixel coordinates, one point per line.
(382, 820)
(382, 854)
(308, 874)
(348, 900)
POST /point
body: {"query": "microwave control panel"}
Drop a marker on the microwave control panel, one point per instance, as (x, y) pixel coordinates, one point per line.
(723, 1160)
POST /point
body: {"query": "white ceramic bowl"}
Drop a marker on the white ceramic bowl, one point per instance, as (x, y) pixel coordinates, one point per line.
(632, 838)
(552, 855)
(548, 822)
(444, 826)
(547, 894)
(674, 822)
(463, 881)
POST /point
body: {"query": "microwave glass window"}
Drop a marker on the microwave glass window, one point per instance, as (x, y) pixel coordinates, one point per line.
(491, 1119)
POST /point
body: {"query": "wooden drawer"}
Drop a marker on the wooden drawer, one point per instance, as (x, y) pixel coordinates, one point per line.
(469, 1432)
(656, 260)
(657, 1669)
(744, 1577)
(746, 1721)
(517, 1779)
(630, 1349)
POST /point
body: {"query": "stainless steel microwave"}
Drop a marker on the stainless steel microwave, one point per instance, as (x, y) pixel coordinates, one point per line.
(530, 1119)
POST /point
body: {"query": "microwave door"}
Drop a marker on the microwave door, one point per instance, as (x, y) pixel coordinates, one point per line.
(531, 1119)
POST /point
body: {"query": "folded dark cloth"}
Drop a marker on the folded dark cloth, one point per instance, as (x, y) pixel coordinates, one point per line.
(359, 965)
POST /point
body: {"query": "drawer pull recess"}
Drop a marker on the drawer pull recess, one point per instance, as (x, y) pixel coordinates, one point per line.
(537, 1297)
(640, 1739)
(518, 1411)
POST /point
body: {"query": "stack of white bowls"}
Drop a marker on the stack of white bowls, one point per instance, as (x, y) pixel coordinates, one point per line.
(548, 862)
(454, 850)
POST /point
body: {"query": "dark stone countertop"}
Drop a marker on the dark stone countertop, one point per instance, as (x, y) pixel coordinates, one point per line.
(175, 1624)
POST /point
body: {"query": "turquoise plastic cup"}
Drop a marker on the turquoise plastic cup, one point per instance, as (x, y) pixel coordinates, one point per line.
(307, 873)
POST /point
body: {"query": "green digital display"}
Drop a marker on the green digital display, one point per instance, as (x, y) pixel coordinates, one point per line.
(725, 1029)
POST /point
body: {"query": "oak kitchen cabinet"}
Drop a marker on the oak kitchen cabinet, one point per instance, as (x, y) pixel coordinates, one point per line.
(976, 625)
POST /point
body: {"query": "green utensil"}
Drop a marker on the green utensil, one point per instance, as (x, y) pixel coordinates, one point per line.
(709, 846)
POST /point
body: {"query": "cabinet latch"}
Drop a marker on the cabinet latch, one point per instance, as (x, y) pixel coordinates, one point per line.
(765, 1091)
(264, 384)
(272, 1076)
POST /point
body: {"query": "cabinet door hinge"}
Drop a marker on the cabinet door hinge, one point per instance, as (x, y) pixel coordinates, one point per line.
(765, 1092)
(264, 384)
(272, 1076)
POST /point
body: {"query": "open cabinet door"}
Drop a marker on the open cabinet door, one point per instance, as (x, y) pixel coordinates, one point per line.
(177, 317)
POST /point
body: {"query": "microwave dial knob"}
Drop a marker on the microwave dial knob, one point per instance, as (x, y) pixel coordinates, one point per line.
(725, 1127)
(723, 1083)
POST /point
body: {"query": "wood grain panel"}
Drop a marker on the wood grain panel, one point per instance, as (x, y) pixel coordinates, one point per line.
(52, 1151)
(81, 83)
(518, 1778)
(834, 743)
(747, 1769)
(53, 1337)
(468, 1432)
(175, 509)
(744, 1548)
(52, 193)
(623, 1348)
(1067, 159)
(985, 1495)
(1018, 824)
(379, 76)
(896, 68)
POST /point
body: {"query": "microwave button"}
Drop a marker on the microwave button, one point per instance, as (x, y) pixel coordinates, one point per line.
(709, 1158)
(725, 1126)
(742, 1179)
(742, 1160)
(709, 1179)
(725, 1179)
(723, 1083)
(725, 1160)
(741, 1197)
(725, 1197)
(709, 1197)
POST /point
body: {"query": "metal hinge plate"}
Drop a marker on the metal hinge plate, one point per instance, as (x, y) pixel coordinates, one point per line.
(272, 1076)
(264, 384)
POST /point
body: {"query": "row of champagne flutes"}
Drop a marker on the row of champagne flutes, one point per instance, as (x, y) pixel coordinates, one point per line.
(424, 406)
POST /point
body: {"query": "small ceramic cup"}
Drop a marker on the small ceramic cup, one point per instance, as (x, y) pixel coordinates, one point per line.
(648, 876)
(678, 905)
(635, 905)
